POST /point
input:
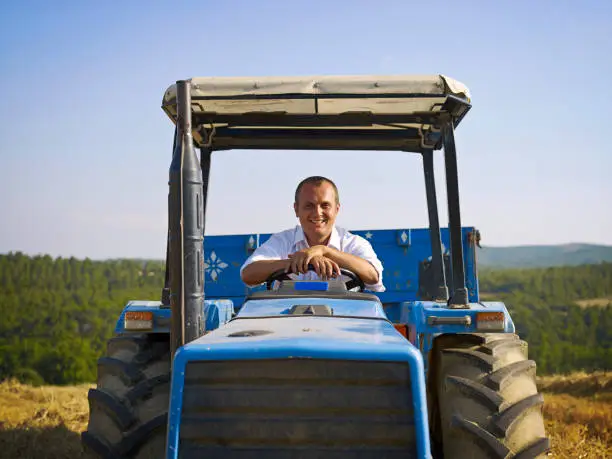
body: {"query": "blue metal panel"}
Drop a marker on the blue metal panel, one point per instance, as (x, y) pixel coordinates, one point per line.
(223, 257)
(392, 311)
(400, 250)
(303, 337)
(401, 260)
(215, 313)
(417, 314)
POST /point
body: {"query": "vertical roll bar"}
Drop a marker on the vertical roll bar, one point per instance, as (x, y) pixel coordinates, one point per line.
(440, 292)
(459, 296)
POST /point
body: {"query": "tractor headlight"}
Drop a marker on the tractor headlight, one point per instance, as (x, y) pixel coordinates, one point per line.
(138, 320)
(490, 321)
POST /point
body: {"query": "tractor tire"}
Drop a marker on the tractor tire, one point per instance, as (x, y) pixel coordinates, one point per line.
(486, 403)
(128, 410)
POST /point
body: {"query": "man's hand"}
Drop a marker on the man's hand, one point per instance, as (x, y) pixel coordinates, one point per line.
(324, 267)
(258, 271)
(357, 265)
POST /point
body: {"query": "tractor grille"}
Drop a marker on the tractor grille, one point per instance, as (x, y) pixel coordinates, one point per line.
(297, 408)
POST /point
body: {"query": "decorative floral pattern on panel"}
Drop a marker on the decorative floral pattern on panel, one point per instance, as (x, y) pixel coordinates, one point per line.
(214, 265)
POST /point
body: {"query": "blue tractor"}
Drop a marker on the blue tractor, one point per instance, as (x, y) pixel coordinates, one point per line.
(316, 369)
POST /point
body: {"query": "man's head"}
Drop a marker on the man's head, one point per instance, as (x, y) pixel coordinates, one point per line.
(316, 206)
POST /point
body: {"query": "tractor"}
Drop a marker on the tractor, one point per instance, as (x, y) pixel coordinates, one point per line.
(318, 368)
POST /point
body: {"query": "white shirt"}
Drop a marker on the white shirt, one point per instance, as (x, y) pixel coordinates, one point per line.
(280, 245)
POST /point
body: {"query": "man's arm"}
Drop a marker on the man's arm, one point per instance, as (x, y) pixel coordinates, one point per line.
(358, 265)
(258, 271)
(265, 260)
(354, 263)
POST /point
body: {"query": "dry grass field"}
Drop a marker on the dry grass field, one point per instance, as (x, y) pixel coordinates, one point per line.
(594, 302)
(45, 422)
(41, 422)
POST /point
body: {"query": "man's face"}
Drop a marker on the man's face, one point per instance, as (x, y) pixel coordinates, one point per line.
(317, 211)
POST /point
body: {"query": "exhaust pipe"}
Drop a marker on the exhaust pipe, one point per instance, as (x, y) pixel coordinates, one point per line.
(186, 229)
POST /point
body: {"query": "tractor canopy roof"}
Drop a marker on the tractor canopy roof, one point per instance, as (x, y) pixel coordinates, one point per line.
(322, 112)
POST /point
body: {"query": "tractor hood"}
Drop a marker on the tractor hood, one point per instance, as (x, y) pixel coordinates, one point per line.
(298, 336)
(277, 386)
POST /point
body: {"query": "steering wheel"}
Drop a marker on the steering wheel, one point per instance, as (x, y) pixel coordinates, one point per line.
(281, 275)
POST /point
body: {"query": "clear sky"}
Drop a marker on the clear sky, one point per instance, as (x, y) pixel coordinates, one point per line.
(85, 147)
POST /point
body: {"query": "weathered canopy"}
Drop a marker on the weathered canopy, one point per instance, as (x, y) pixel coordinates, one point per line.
(322, 112)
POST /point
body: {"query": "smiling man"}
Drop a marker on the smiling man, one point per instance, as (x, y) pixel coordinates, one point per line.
(315, 241)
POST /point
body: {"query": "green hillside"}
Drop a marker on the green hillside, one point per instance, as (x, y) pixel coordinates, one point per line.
(543, 303)
(539, 256)
(57, 314)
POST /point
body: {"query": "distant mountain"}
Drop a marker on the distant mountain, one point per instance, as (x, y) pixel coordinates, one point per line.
(540, 256)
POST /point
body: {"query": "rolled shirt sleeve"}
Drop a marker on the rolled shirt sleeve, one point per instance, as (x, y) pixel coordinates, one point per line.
(360, 247)
(272, 249)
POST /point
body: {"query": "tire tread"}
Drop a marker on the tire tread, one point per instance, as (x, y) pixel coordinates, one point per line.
(122, 415)
(478, 381)
(482, 394)
(500, 378)
(505, 420)
(120, 429)
(494, 447)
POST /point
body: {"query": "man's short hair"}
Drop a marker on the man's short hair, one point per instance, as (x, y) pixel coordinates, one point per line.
(316, 180)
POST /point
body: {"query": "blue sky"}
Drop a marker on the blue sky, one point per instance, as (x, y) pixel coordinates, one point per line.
(85, 147)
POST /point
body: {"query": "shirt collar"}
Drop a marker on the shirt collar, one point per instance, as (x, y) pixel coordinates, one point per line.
(334, 240)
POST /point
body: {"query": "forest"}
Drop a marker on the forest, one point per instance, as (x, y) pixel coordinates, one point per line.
(564, 332)
(58, 313)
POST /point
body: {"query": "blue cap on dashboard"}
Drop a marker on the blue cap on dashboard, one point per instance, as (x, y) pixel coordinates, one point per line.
(311, 285)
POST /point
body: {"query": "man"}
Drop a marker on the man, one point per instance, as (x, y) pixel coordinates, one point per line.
(316, 241)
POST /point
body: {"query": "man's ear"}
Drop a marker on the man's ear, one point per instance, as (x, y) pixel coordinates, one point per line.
(295, 208)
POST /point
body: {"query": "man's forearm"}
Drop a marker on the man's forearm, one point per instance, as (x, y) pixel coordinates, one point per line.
(358, 265)
(258, 271)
